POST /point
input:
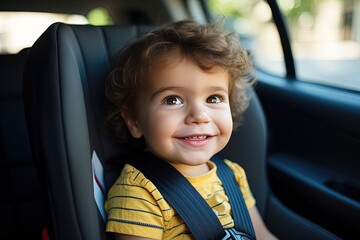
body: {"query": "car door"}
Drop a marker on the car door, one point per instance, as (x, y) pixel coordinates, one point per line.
(307, 58)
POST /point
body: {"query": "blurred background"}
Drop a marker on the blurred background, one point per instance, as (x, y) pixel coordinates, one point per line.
(325, 35)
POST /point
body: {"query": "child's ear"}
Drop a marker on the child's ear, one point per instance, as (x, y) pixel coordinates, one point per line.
(132, 124)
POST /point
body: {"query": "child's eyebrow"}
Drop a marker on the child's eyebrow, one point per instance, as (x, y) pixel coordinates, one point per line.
(165, 89)
(219, 88)
(175, 88)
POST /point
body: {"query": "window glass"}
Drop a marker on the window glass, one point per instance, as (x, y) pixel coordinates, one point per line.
(252, 20)
(325, 37)
(19, 30)
(99, 17)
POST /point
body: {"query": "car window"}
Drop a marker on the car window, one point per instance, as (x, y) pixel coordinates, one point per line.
(252, 20)
(324, 34)
(325, 38)
(19, 30)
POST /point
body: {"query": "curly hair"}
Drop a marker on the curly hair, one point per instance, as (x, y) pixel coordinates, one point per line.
(206, 45)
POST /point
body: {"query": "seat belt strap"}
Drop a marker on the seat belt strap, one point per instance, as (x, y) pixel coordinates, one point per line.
(240, 212)
(178, 191)
(189, 204)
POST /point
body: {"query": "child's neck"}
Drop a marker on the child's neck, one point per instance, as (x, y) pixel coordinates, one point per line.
(191, 171)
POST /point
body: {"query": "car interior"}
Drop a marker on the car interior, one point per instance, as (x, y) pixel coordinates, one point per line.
(298, 143)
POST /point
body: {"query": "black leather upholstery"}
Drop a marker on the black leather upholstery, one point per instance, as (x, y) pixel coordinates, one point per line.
(65, 103)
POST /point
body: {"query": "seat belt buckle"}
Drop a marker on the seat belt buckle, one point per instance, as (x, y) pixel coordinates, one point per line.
(233, 234)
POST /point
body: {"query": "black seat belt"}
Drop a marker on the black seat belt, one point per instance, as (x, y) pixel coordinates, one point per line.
(189, 204)
(241, 214)
(177, 190)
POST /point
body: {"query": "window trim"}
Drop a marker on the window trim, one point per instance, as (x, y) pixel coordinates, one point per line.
(284, 38)
(283, 32)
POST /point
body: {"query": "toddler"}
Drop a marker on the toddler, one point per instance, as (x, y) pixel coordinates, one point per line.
(178, 92)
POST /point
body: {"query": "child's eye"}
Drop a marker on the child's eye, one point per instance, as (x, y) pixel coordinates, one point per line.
(172, 100)
(214, 99)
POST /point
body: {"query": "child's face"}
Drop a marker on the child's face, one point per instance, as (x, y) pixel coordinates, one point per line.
(184, 114)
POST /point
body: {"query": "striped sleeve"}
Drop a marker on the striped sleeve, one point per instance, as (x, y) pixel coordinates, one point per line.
(132, 206)
(241, 179)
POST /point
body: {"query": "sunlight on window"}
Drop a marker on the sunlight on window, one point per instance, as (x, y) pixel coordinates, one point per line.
(252, 20)
(324, 30)
(99, 17)
(19, 30)
(324, 34)
(325, 40)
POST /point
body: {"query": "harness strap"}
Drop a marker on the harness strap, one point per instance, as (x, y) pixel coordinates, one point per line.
(240, 212)
(189, 204)
(178, 191)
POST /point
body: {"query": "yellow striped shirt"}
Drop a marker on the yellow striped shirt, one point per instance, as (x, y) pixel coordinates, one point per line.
(136, 207)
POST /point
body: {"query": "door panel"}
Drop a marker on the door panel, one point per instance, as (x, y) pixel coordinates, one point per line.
(314, 151)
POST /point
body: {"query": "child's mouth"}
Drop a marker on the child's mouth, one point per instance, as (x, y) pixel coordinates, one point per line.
(196, 138)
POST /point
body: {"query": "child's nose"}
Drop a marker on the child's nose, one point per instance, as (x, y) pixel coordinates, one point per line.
(197, 115)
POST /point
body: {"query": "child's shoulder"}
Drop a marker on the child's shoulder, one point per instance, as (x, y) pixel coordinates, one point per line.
(133, 182)
(131, 175)
(236, 168)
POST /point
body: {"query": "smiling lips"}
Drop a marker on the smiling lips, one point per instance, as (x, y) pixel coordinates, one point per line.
(196, 140)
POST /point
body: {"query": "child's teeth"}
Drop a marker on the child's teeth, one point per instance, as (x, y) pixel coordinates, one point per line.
(196, 138)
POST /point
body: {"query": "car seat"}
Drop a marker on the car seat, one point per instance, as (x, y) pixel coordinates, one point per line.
(64, 88)
(64, 98)
(21, 207)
